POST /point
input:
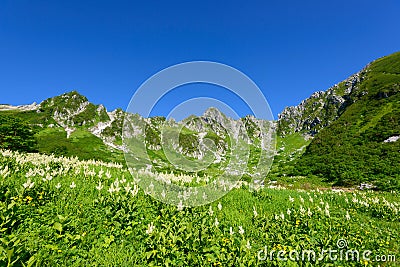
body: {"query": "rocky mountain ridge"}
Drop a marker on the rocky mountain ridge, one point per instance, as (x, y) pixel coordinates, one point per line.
(322, 107)
(72, 113)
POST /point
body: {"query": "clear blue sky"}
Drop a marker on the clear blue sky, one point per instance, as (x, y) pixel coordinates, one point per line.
(106, 49)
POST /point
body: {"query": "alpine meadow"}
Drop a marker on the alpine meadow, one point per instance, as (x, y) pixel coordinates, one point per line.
(68, 198)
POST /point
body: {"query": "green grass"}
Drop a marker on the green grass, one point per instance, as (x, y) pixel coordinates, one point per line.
(81, 143)
(374, 120)
(82, 226)
(291, 145)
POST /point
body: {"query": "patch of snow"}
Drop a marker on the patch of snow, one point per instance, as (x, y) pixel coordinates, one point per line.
(392, 139)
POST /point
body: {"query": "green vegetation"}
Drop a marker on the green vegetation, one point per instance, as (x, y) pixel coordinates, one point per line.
(16, 135)
(81, 143)
(49, 138)
(352, 150)
(61, 212)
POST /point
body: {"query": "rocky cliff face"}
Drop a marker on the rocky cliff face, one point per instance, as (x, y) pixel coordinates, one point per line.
(73, 110)
(321, 108)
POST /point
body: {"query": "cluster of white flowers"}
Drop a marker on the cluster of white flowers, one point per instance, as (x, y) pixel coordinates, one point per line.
(362, 200)
(327, 212)
(150, 228)
(279, 216)
(4, 172)
(45, 160)
(29, 184)
(168, 178)
(118, 185)
(44, 168)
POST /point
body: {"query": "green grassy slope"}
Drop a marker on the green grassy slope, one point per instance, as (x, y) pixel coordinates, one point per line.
(352, 149)
(81, 143)
(53, 140)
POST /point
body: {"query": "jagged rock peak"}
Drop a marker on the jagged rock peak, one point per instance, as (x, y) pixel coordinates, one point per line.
(214, 113)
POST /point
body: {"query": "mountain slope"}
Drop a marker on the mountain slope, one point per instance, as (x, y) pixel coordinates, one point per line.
(356, 137)
(347, 135)
(207, 145)
(70, 125)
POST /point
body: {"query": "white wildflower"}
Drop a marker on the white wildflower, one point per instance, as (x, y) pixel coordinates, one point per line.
(241, 230)
(72, 185)
(150, 228)
(116, 186)
(302, 210)
(186, 194)
(231, 232)
(288, 212)
(99, 186)
(58, 186)
(219, 206)
(309, 213)
(111, 189)
(134, 190)
(180, 205)
(127, 188)
(248, 246)
(327, 213)
(210, 211)
(255, 211)
(291, 199)
(347, 216)
(216, 223)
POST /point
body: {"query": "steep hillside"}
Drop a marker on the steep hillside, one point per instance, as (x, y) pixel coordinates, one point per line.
(70, 125)
(356, 128)
(322, 107)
